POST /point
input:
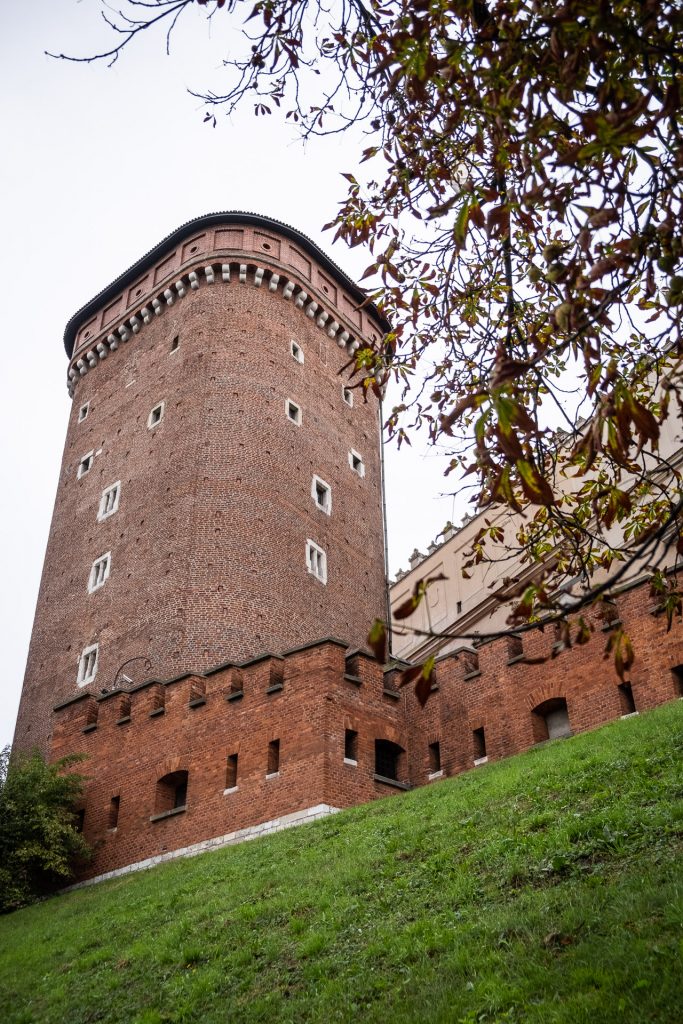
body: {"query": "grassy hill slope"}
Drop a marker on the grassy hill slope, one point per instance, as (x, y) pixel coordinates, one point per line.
(546, 888)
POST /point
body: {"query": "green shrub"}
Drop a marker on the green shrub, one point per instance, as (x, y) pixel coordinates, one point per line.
(39, 840)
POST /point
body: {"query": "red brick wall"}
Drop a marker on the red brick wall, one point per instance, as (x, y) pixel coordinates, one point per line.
(208, 544)
(323, 694)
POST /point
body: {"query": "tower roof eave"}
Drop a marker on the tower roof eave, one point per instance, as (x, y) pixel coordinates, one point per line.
(190, 227)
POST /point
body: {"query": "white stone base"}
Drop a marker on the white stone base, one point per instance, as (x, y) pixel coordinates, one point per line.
(241, 836)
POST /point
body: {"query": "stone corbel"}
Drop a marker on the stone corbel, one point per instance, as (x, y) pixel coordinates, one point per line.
(169, 296)
(194, 280)
(225, 272)
(209, 274)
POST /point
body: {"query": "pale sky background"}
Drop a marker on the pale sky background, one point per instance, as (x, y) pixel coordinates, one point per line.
(98, 165)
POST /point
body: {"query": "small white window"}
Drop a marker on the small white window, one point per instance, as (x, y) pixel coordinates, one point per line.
(316, 561)
(347, 395)
(87, 666)
(85, 464)
(83, 412)
(109, 502)
(99, 572)
(293, 411)
(356, 463)
(297, 351)
(321, 494)
(155, 415)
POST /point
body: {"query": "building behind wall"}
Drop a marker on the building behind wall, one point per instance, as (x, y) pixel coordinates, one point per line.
(216, 556)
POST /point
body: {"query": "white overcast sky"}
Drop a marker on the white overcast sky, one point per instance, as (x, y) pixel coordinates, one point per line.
(97, 166)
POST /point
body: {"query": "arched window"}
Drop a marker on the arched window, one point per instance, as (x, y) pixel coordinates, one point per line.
(551, 720)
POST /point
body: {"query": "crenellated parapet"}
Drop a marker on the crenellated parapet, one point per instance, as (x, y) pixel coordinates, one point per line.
(222, 249)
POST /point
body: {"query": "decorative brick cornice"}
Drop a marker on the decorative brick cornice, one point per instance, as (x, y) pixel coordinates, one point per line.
(244, 270)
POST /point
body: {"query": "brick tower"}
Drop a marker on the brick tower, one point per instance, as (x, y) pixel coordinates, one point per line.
(220, 490)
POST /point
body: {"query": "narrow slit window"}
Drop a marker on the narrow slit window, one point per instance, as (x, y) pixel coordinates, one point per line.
(114, 805)
(273, 758)
(175, 344)
(293, 412)
(316, 561)
(109, 501)
(85, 465)
(231, 772)
(347, 395)
(296, 351)
(87, 666)
(83, 412)
(356, 463)
(479, 741)
(322, 495)
(626, 699)
(351, 746)
(156, 415)
(434, 758)
(99, 573)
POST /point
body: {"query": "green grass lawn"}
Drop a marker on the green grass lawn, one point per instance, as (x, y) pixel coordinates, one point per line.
(544, 888)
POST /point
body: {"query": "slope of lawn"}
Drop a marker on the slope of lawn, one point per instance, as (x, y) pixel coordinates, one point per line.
(540, 889)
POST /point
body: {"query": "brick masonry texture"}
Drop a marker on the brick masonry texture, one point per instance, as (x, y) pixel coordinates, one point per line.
(209, 582)
(307, 700)
(208, 544)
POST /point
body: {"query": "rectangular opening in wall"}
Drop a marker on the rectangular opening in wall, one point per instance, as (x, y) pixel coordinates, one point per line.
(296, 351)
(231, 772)
(109, 501)
(479, 744)
(356, 463)
(83, 412)
(387, 759)
(316, 561)
(677, 676)
(351, 745)
(156, 415)
(273, 757)
(99, 572)
(114, 805)
(293, 412)
(175, 344)
(87, 666)
(85, 464)
(626, 700)
(79, 822)
(321, 493)
(434, 758)
(347, 395)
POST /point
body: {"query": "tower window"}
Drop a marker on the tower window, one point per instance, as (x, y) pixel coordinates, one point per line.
(293, 412)
(550, 720)
(155, 415)
(109, 502)
(273, 758)
(231, 772)
(356, 463)
(322, 494)
(99, 572)
(347, 395)
(85, 464)
(296, 351)
(316, 561)
(83, 412)
(175, 344)
(351, 746)
(87, 666)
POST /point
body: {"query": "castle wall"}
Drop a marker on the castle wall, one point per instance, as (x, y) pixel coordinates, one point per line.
(307, 700)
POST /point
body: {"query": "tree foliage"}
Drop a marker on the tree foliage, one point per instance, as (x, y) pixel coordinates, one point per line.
(521, 193)
(39, 842)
